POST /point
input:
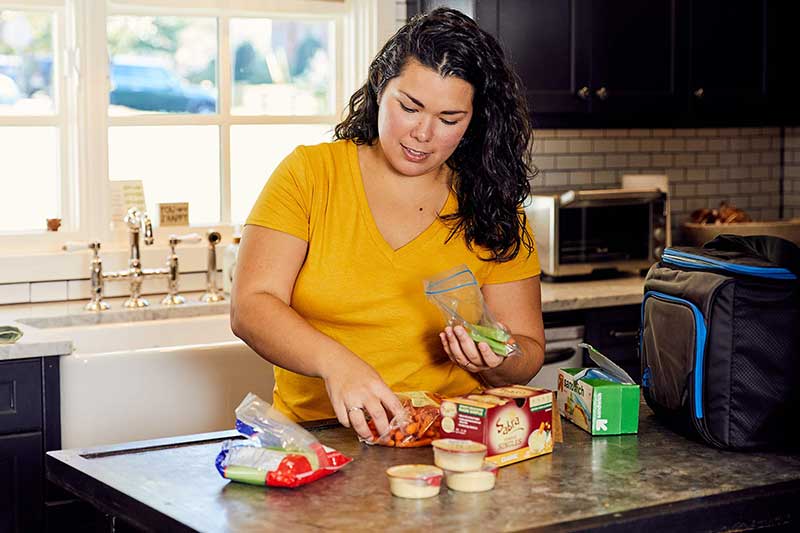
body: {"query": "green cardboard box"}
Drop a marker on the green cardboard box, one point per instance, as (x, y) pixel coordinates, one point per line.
(600, 406)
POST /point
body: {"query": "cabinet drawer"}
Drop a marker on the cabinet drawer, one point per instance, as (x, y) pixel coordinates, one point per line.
(20, 396)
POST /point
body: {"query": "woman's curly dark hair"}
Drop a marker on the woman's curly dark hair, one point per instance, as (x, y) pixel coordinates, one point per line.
(492, 162)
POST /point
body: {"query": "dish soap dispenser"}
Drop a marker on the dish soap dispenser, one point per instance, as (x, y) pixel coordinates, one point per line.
(229, 263)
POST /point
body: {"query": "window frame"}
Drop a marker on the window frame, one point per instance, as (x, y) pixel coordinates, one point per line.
(64, 83)
(359, 26)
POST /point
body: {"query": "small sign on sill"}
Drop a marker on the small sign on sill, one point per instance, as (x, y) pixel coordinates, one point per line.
(173, 214)
(124, 195)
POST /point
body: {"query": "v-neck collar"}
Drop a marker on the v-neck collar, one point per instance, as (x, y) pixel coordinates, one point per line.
(416, 243)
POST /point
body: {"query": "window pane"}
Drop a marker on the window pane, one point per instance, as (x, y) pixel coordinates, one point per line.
(26, 63)
(282, 67)
(175, 163)
(162, 65)
(29, 178)
(251, 164)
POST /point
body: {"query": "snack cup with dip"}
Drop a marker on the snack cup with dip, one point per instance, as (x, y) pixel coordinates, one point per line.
(414, 481)
(476, 481)
(458, 455)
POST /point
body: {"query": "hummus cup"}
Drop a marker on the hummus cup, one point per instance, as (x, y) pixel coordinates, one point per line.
(414, 481)
(458, 455)
(477, 481)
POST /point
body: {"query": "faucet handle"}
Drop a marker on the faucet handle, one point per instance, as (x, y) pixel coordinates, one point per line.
(148, 229)
(174, 240)
(72, 246)
(96, 275)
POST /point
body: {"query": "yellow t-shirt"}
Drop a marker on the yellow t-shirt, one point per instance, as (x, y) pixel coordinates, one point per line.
(355, 288)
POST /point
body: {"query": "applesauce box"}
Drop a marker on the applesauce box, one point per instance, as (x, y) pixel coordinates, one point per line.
(599, 406)
(515, 423)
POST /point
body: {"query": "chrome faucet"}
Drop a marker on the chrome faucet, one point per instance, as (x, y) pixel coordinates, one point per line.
(172, 297)
(138, 223)
(212, 293)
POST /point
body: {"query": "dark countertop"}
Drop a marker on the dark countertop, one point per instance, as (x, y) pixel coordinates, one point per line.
(656, 479)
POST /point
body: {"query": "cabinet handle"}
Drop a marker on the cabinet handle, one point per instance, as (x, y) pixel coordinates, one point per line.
(623, 334)
(602, 93)
(583, 93)
(699, 93)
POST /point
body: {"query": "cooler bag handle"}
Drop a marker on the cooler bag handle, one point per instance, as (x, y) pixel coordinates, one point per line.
(780, 252)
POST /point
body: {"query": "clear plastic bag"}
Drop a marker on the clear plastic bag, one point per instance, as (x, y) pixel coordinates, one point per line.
(277, 452)
(418, 425)
(457, 295)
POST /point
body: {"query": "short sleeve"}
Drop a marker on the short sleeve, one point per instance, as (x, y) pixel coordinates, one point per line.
(285, 201)
(521, 267)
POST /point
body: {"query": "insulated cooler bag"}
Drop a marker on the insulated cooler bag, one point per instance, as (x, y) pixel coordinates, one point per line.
(720, 340)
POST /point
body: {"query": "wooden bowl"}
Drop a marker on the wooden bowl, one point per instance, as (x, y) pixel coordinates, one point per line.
(698, 234)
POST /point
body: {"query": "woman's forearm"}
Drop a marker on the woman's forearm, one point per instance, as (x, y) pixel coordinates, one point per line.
(517, 369)
(281, 336)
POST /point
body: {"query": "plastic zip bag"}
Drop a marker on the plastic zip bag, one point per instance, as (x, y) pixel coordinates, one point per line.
(458, 297)
(418, 425)
(277, 452)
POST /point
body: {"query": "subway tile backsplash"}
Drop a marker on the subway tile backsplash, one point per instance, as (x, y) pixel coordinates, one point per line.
(705, 166)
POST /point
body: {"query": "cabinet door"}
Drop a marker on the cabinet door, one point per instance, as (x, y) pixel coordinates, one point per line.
(21, 474)
(784, 106)
(614, 332)
(548, 45)
(635, 60)
(727, 42)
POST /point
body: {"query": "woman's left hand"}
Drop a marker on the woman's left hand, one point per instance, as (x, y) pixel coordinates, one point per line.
(466, 353)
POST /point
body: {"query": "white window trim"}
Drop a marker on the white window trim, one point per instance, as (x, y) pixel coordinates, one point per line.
(37, 256)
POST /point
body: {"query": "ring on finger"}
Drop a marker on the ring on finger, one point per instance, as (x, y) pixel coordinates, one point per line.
(356, 408)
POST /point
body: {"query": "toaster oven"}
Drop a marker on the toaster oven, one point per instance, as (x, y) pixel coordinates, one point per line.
(584, 232)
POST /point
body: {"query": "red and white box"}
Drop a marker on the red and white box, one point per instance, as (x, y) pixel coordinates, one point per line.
(515, 422)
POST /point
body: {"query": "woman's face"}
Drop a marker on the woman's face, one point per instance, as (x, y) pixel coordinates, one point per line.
(422, 117)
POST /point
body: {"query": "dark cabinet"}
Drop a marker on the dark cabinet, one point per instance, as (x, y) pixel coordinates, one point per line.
(727, 41)
(655, 63)
(21, 481)
(548, 44)
(30, 425)
(614, 331)
(635, 59)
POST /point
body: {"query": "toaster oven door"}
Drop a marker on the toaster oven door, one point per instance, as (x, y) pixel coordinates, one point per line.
(604, 234)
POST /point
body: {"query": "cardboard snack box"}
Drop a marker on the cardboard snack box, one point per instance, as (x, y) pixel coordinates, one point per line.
(515, 423)
(604, 405)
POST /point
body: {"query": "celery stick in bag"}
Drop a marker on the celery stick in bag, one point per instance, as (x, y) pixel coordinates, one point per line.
(458, 297)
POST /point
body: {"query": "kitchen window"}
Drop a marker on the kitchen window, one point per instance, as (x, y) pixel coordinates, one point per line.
(201, 109)
(34, 131)
(200, 100)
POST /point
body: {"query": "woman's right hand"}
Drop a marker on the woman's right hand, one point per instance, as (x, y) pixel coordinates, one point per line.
(357, 390)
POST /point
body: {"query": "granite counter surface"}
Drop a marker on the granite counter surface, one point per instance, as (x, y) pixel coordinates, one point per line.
(174, 485)
(572, 295)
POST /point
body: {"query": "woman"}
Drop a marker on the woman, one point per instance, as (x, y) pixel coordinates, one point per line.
(428, 172)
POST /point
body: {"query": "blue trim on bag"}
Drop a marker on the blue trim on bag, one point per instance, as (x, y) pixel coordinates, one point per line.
(451, 276)
(699, 349)
(673, 256)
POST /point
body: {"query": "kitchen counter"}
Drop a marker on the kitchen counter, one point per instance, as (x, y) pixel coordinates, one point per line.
(35, 343)
(654, 480)
(573, 295)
